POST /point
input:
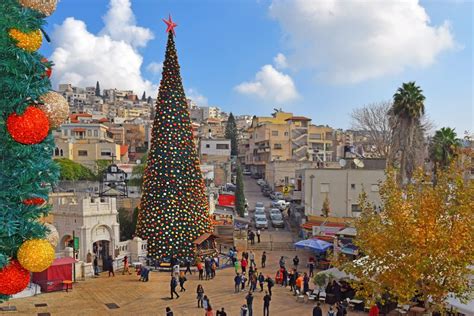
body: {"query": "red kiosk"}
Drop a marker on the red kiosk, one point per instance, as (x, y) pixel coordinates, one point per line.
(57, 277)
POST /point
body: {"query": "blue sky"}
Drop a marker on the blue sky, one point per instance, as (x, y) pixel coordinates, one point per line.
(338, 55)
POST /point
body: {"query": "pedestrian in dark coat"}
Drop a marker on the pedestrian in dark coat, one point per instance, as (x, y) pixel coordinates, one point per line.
(173, 285)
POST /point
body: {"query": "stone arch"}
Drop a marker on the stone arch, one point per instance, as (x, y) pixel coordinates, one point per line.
(66, 241)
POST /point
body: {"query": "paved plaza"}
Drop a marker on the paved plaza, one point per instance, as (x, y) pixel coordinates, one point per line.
(151, 298)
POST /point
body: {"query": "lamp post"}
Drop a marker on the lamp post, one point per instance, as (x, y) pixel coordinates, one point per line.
(312, 180)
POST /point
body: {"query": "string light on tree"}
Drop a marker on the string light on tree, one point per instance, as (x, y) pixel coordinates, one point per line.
(173, 209)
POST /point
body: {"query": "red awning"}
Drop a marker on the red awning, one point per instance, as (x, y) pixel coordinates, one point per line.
(62, 261)
(78, 129)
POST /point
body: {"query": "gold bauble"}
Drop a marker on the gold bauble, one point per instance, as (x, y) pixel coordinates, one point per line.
(36, 255)
(47, 7)
(30, 42)
(53, 235)
(56, 108)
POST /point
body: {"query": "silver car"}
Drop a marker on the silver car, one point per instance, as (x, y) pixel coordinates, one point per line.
(261, 222)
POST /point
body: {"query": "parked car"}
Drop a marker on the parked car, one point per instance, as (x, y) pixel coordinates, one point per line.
(246, 172)
(261, 222)
(266, 193)
(275, 211)
(277, 220)
(259, 208)
(261, 182)
(280, 204)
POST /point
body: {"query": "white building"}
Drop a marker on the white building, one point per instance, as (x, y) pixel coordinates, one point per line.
(93, 220)
(341, 186)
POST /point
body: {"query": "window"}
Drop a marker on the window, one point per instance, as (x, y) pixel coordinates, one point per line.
(82, 153)
(65, 132)
(355, 208)
(106, 152)
(208, 145)
(222, 146)
(286, 180)
(61, 153)
(286, 133)
(56, 152)
(315, 136)
(353, 186)
(374, 188)
(276, 146)
(89, 133)
(324, 188)
(274, 133)
(209, 130)
(96, 133)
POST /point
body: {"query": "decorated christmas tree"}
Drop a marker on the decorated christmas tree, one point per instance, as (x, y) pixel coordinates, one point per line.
(173, 208)
(29, 112)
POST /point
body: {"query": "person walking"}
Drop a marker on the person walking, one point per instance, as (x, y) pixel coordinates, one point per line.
(213, 269)
(110, 266)
(331, 311)
(249, 299)
(252, 259)
(282, 262)
(209, 311)
(258, 235)
(207, 267)
(205, 302)
(244, 310)
(173, 285)
(305, 283)
(200, 270)
(285, 278)
(243, 280)
(200, 295)
(317, 310)
(237, 282)
(181, 280)
(126, 267)
(270, 284)
(236, 266)
(96, 266)
(266, 304)
(221, 312)
(169, 312)
(311, 268)
(188, 267)
(261, 280)
(243, 264)
(264, 259)
(296, 261)
(252, 237)
(253, 283)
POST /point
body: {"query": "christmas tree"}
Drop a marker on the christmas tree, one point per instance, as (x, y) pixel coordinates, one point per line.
(29, 112)
(174, 208)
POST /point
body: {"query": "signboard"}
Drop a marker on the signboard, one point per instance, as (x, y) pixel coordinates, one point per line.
(76, 243)
(226, 200)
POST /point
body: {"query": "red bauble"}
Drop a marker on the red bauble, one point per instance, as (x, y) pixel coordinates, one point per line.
(13, 278)
(34, 201)
(48, 70)
(30, 128)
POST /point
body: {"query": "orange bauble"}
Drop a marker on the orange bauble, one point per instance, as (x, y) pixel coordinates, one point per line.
(13, 278)
(31, 127)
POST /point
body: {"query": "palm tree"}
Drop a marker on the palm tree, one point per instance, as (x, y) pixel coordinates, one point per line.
(443, 148)
(406, 113)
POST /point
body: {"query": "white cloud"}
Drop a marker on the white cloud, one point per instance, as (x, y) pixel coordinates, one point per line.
(352, 41)
(155, 68)
(280, 61)
(197, 97)
(111, 57)
(270, 85)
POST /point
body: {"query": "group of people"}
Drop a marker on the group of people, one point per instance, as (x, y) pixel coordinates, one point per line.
(206, 269)
(251, 235)
(247, 308)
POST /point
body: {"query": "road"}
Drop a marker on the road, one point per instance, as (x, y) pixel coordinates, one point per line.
(254, 195)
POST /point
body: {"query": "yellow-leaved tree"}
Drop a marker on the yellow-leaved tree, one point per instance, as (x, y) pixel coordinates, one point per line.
(422, 242)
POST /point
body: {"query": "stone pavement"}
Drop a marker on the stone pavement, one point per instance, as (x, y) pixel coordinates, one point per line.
(151, 298)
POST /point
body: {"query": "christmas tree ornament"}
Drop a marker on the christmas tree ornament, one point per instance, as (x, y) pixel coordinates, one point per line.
(34, 201)
(36, 255)
(48, 69)
(30, 41)
(47, 7)
(53, 235)
(28, 128)
(13, 278)
(56, 108)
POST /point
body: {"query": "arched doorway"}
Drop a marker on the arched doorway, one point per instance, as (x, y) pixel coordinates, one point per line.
(101, 245)
(66, 241)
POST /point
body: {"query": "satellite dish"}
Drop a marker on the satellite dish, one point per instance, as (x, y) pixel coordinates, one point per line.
(342, 163)
(359, 163)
